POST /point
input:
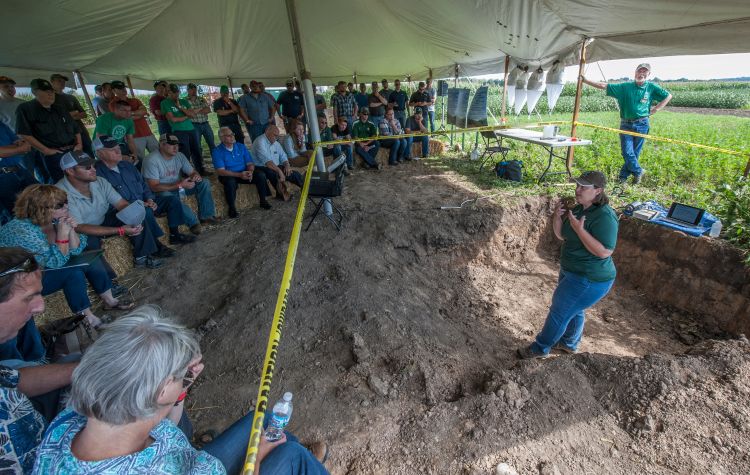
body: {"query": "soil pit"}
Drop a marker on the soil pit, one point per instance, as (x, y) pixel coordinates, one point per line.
(401, 330)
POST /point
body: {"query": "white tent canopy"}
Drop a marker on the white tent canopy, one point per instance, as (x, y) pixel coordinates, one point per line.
(206, 42)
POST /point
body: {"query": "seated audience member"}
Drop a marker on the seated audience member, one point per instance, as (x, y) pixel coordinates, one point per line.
(167, 172)
(376, 103)
(390, 126)
(228, 111)
(49, 128)
(367, 149)
(90, 199)
(234, 165)
(339, 131)
(129, 183)
(103, 97)
(294, 144)
(143, 137)
(343, 104)
(398, 100)
(200, 121)
(8, 102)
(292, 105)
(154, 104)
(415, 125)
(257, 109)
(119, 126)
(13, 176)
(179, 114)
(70, 103)
(44, 227)
(149, 362)
(361, 97)
(268, 153)
(21, 424)
(320, 102)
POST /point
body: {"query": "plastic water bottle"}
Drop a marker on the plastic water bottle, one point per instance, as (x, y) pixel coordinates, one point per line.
(182, 193)
(715, 229)
(282, 412)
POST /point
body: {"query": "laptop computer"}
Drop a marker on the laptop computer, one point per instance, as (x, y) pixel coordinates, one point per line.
(684, 215)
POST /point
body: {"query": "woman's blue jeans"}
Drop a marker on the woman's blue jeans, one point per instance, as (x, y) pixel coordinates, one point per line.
(631, 146)
(289, 458)
(573, 295)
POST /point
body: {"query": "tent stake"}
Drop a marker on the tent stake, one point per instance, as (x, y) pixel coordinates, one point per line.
(85, 92)
(505, 89)
(577, 107)
(130, 86)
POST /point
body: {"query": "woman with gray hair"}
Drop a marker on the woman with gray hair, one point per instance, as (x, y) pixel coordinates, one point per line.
(127, 397)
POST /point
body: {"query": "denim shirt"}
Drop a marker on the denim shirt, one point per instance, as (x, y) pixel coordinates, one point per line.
(127, 181)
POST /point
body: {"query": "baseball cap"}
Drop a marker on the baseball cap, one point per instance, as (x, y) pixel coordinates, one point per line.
(104, 141)
(7, 80)
(290, 83)
(58, 76)
(644, 65)
(159, 81)
(75, 158)
(40, 84)
(364, 110)
(592, 178)
(170, 139)
(192, 86)
(417, 110)
(117, 85)
(224, 89)
(174, 88)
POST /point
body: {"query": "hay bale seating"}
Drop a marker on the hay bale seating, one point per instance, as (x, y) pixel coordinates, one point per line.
(436, 148)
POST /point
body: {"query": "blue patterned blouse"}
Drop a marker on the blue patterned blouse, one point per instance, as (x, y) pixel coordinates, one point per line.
(23, 233)
(171, 453)
(21, 427)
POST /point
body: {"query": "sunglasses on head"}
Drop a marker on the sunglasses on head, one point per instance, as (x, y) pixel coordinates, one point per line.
(60, 205)
(29, 265)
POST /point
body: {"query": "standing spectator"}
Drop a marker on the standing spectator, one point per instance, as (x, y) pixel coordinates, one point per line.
(268, 153)
(48, 128)
(320, 102)
(385, 92)
(344, 105)
(228, 112)
(154, 104)
(120, 127)
(179, 114)
(420, 98)
(257, 109)
(431, 106)
(70, 103)
(200, 121)
(103, 94)
(390, 126)
(13, 176)
(167, 172)
(234, 165)
(361, 98)
(292, 104)
(339, 131)
(350, 89)
(397, 100)
(415, 124)
(376, 104)
(8, 102)
(143, 137)
(367, 149)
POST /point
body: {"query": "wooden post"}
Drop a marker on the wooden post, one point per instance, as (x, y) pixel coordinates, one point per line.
(231, 89)
(747, 169)
(577, 107)
(130, 86)
(85, 92)
(505, 89)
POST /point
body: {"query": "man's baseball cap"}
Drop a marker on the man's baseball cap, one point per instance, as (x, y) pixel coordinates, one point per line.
(40, 84)
(364, 110)
(290, 83)
(644, 66)
(592, 178)
(224, 89)
(117, 85)
(104, 141)
(75, 158)
(170, 139)
(158, 82)
(417, 110)
(58, 76)
(192, 86)
(7, 80)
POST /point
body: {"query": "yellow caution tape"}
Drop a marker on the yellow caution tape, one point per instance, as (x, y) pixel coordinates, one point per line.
(274, 338)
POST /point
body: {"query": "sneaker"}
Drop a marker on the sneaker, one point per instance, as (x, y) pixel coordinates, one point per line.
(392, 164)
(211, 220)
(565, 349)
(196, 229)
(233, 213)
(528, 353)
(375, 167)
(350, 167)
(148, 262)
(180, 238)
(165, 252)
(416, 158)
(637, 178)
(265, 204)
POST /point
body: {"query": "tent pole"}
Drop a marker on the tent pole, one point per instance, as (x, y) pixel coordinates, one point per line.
(505, 90)
(130, 86)
(577, 107)
(85, 92)
(455, 85)
(354, 77)
(231, 89)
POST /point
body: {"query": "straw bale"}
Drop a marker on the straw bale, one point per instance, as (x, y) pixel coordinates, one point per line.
(436, 148)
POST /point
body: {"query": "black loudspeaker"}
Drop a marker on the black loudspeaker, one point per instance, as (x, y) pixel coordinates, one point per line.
(442, 89)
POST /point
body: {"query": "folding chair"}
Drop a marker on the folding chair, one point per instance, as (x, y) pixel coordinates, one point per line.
(492, 145)
(325, 189)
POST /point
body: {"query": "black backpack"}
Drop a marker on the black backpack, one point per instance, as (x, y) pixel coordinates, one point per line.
(510, 170)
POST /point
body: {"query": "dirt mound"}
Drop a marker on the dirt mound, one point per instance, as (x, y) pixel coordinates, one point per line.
(400, 333)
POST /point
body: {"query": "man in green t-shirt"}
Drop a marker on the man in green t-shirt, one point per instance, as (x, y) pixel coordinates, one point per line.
(119, 125)
(635, 99)
(179, 113)
(367, 149)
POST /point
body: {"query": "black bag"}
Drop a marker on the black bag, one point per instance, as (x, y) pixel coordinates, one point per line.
(510, 170)
(66, 336)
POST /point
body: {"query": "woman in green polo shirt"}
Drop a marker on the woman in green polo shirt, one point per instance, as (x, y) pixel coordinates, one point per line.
(589, 235)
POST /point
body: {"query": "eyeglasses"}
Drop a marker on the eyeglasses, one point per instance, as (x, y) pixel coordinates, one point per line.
(85, 167)
(60, 205)
(29, 265)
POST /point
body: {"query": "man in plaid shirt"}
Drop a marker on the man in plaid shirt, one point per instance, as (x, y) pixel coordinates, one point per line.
(343, 104)
(200, 121)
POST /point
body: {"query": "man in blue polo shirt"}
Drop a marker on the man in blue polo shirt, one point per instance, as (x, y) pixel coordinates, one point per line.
(257, 109)
(634, 99)
(234, 165)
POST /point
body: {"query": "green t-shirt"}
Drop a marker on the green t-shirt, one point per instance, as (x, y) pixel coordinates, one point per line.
(601, 222)
(108, 124)
(634, 100)
(168, 105)
(362, 130)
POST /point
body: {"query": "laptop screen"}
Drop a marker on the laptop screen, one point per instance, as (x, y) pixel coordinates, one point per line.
(686, 214)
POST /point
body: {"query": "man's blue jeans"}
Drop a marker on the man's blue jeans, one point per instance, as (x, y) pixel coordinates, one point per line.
(202, 192)
(370, 155)
(72, 281)
(289, 458)
(631, 146)
(573, 295)
(203, 129)
(163, 126)
(425, 145)
(169, 203)
(431, 119)
(338, 149)
(396, 147)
